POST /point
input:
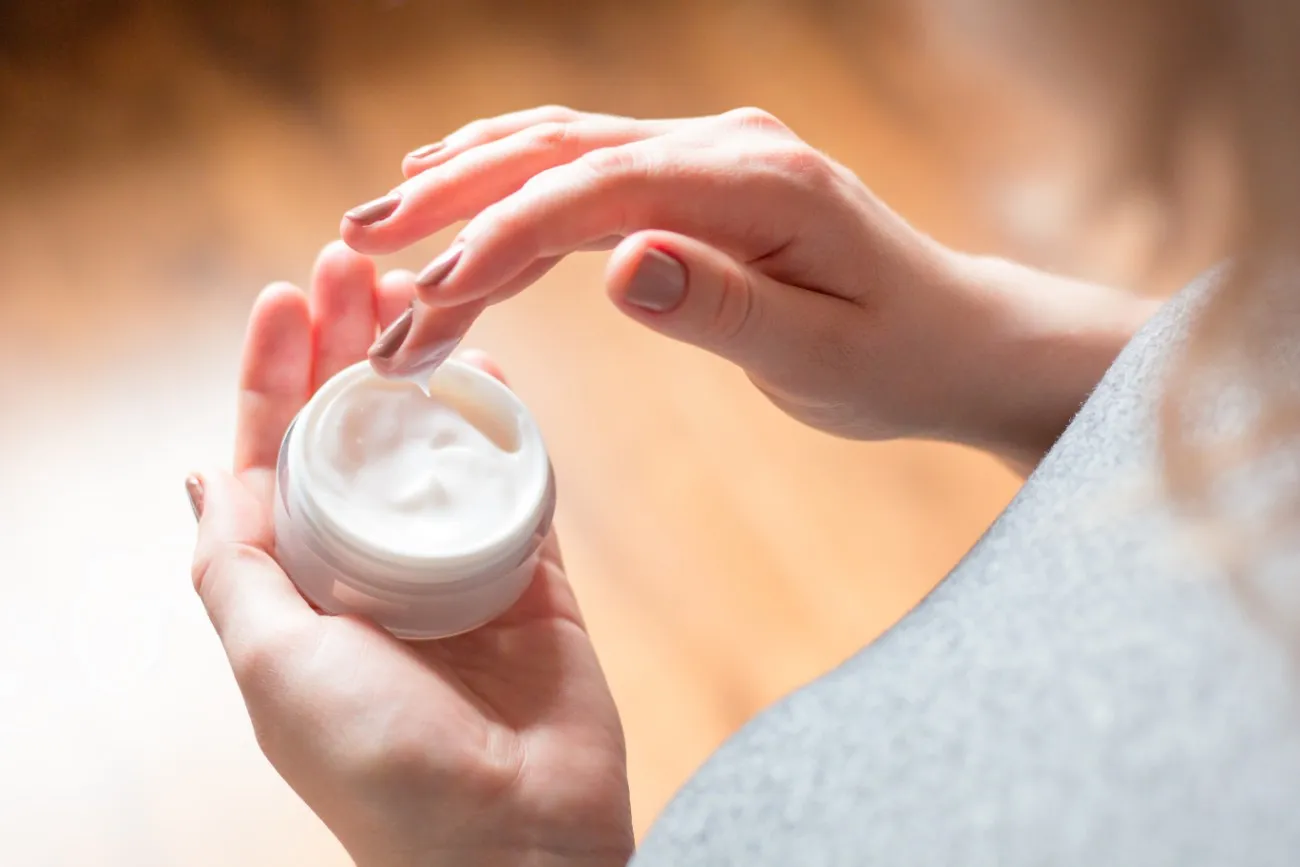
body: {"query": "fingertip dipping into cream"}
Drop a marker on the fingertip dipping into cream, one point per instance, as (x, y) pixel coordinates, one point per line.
(420, 340)
(423, 337)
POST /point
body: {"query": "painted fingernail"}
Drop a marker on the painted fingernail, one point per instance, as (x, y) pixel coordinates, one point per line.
(393, 336)
(194, 490)
(439, 268)
(426, 151)
(372, 212)
(658, 284)
(436, 354)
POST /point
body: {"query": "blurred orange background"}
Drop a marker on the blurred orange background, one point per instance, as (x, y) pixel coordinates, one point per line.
(160, 162)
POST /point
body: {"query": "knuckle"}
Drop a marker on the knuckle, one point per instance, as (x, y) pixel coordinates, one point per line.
(550, 135)
(735, 311)
(473, 131)
(750, 117)
(555, 112)
(801, 161)
(606, 164)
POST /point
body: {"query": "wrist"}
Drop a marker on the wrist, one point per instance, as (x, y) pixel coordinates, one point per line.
(1036, 346)
(498, 857)
(499, 844)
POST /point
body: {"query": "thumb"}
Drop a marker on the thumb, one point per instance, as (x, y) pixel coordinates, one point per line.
(690, 291)
(248, 596)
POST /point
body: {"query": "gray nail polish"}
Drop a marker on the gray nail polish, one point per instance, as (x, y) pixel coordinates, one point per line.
(372, 212)
(658, 284)
(426, 151)
(194, 490)
(393, 337)
(439, 268)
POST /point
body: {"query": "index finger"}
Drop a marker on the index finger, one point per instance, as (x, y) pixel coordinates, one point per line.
(275, 374)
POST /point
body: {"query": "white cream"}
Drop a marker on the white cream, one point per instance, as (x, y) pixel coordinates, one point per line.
(427, 476)
(385, 494)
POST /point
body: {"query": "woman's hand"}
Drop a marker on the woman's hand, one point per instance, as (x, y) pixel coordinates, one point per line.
(732, 234)
(499, 747)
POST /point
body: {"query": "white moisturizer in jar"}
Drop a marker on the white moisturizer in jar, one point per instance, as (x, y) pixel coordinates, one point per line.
(423, 512)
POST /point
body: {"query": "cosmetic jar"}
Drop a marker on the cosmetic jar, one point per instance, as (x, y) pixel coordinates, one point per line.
(421, 509)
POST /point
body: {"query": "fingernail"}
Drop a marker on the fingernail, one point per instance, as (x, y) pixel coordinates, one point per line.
(392, 337)
(426, 151)
(658, 283)
(436, 355)
(372, 212)
(439, 268)
(194, 489)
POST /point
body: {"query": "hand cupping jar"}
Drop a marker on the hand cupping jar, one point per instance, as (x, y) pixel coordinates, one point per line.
(422, 511)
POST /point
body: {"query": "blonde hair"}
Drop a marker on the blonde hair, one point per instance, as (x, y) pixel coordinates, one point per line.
(1163, 78)
(1168, 64)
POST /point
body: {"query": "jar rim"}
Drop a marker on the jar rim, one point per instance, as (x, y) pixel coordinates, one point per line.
(406, 571)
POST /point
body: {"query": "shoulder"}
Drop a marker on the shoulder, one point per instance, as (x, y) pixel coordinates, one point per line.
(1070, 694)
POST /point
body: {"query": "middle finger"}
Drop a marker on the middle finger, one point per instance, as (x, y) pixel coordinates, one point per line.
(343, 301)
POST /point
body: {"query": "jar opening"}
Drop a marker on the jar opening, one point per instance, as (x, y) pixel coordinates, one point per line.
(433, 486)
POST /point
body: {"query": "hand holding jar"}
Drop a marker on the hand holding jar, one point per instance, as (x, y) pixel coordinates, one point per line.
(500, 746)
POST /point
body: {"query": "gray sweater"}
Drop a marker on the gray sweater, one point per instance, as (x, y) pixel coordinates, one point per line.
(1083, 689)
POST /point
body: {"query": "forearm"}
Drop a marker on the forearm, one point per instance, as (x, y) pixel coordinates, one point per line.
(493, 857)
(1042, 344)
(496, 859)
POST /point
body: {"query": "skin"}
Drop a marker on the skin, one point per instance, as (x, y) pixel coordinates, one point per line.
(841, 313)
(503, 747)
